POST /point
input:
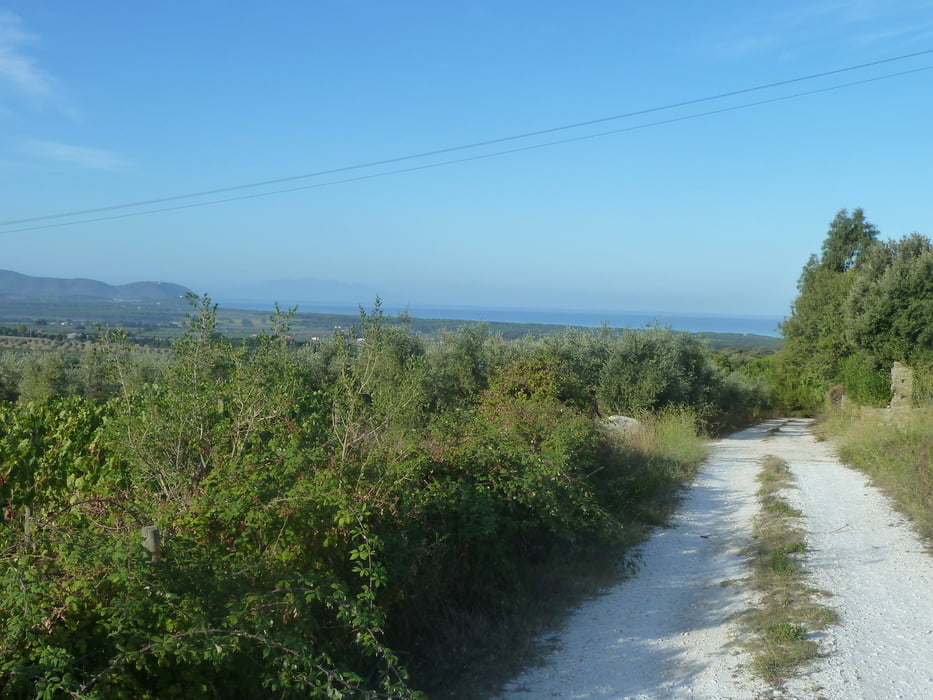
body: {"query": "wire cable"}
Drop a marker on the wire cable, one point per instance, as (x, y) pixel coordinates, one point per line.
(460, 148)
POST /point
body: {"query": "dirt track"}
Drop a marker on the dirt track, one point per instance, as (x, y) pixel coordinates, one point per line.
(670, 631)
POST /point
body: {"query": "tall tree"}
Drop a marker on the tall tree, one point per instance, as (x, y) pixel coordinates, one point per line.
(889, 311)
(846, 240)
(815, 332)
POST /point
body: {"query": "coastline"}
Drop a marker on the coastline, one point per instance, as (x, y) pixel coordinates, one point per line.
(678, 321)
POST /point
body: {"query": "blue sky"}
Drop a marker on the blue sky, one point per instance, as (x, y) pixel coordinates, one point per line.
(105, 103)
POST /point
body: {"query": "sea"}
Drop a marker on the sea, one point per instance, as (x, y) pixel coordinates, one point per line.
(678, 321)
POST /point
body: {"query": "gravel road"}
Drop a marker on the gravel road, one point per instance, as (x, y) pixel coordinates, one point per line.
(670, 632)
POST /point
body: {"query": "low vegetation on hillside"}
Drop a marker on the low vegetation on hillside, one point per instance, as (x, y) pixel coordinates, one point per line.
(342, 518)
(364, 514)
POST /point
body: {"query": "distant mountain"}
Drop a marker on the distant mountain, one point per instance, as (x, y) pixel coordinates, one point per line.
(14, 285)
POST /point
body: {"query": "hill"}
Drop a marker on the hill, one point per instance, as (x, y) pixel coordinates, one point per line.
(14, 285)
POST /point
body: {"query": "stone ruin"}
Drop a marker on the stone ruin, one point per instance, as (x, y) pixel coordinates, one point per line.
(902, 386)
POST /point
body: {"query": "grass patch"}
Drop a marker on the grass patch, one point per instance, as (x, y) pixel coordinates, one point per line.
(670, 436)
(781, 507)
(780, 628)
(896, 450)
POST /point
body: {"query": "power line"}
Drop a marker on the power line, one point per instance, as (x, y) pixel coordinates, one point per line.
(452, 149)
(477, 157)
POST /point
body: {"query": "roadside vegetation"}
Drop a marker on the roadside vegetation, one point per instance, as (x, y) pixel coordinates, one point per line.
(474, 658)
(865, 304)
(377, 511)
(781, 627)
(896, 452)
(363, 516)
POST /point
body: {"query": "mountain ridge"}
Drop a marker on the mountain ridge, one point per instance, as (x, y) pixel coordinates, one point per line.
(15, 285)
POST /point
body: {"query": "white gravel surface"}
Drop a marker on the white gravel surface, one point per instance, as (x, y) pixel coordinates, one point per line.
(670, 631)
(879, 575)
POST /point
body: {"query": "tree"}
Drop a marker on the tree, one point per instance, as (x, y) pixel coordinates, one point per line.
(459, 365)
(379, 392)
(46, 376)
(848, 237)
(654, 368)
(889, 310)
(815, 333)
(586, 353)
(11, 371)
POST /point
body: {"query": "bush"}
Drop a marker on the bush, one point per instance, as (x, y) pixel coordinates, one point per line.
(791, 388)
(866, 380)
(923, 385)
(459, 366)
(268, 579)
(650, 369)
(48, 375)
(320, 509)
(11, 373)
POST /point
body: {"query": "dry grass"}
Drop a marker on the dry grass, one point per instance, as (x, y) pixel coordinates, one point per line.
(896, 450)
(781, 627)
(671, 435)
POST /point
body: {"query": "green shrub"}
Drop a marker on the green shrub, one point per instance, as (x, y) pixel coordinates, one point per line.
(459, 365)
(739, 400)
(923, 385)
(319, 509)
(11, 372)
(654, 368)
(867, 381)
(793, 388)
